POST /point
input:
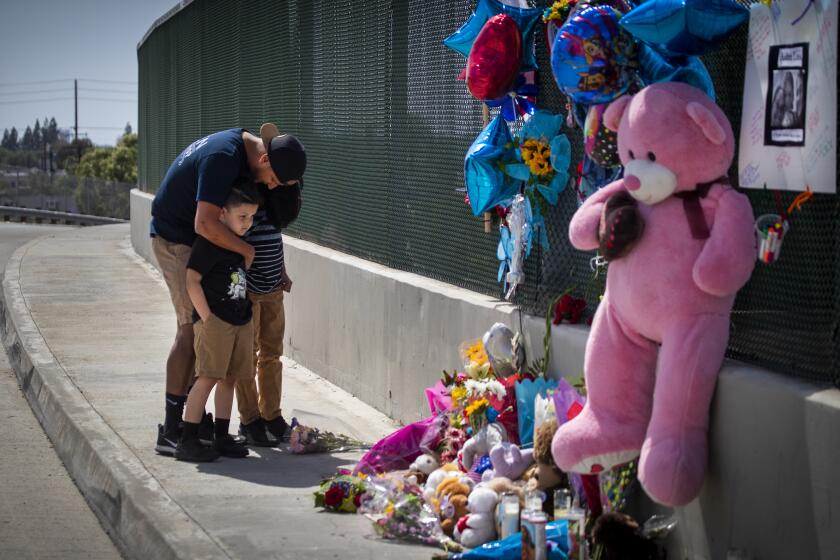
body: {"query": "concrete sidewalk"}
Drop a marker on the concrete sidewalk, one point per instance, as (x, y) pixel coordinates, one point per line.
(87, 325)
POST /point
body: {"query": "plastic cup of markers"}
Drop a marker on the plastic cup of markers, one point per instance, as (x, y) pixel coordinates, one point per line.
(770, 231)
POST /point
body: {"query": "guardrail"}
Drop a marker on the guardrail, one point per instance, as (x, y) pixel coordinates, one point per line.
(35, 216)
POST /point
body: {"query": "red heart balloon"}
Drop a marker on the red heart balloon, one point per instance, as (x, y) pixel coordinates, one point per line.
(494, 59)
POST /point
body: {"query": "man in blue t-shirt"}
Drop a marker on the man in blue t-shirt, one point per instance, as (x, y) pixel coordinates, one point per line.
(189, 203)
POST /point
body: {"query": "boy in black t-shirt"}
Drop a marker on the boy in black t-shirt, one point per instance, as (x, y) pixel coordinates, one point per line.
(224, 336)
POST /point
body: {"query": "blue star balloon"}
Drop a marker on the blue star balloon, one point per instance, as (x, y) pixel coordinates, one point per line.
(684, 27)
(526, 18)
(487, 183)
(653, 68)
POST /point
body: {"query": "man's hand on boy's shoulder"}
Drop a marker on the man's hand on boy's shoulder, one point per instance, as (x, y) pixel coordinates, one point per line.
(285, 282)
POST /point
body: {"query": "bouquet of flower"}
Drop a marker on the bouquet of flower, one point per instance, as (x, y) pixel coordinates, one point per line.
(304, 439)
(398, 511)
(342, 493)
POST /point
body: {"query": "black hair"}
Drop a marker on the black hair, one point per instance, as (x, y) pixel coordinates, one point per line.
(243, 191)
(282, 204)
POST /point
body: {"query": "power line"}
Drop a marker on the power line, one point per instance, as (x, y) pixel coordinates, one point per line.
(108, 90)
(16, 84)
(104, 99)
(107, 81)
(39, 82)
(61, 90)
(36, 100)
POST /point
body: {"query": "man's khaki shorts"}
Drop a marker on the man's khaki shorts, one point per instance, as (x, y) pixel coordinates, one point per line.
(172, 258)
(223, 350)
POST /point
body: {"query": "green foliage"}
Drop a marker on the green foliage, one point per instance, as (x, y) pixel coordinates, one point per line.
(112, 164)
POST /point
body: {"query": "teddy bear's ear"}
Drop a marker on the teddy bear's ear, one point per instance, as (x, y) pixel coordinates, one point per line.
(613, 114)
(707, 122)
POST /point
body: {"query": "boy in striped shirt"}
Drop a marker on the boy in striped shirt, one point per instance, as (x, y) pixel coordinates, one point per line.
(260, 419)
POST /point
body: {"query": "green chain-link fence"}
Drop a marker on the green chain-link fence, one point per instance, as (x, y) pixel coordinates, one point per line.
(374, 96)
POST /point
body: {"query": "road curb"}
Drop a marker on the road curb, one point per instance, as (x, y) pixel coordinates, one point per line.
(139, 515)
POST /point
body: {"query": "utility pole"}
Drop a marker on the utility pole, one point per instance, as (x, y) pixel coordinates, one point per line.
(76, 106)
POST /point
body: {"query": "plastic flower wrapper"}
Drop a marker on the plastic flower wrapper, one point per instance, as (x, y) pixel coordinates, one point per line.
(342, 493)
(305, 439)
(398, 511)
(615, 485)
(398, 449)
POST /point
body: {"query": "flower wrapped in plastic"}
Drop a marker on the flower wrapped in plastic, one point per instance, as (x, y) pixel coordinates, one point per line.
(398, 511)
(305, 439)
(342, 493)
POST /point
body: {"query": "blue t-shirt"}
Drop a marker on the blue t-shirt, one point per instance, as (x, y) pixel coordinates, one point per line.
(205, 171)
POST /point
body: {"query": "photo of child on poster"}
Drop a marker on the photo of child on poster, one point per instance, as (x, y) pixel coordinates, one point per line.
(785, 114)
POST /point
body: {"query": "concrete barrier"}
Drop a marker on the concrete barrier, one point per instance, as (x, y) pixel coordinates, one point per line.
(140, 207)
(385, 335)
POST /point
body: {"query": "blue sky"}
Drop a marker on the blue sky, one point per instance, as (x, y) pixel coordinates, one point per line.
(47, 40)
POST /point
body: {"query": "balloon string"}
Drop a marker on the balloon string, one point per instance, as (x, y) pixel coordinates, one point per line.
(802, 15)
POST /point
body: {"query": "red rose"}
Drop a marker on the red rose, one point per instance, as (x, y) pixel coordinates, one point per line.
(357, 500)
(334, 496)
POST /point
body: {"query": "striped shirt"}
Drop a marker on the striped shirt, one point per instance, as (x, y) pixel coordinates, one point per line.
(265, 273)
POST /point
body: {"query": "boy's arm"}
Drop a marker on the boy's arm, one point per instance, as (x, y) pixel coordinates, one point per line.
(196, 294)
(208, 226)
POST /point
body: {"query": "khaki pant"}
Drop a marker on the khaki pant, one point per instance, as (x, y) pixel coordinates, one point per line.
(223, 350)
(269, 326)
(172, 258)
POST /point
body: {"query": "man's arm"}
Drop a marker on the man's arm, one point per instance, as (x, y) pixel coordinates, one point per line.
(208, 226)
(196, 294)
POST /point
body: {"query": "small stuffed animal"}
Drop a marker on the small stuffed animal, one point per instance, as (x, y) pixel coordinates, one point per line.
(446, 471)
(451, 503)
(547, 476)
(481, 443)
(509, 461)
(479, 525)
(660, 333)
(425, 463)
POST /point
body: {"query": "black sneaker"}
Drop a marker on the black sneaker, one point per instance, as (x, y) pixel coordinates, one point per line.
(206, 430)
(255, 434)
(227, 446)
(167, 441)
(193, 451)
(278, 428)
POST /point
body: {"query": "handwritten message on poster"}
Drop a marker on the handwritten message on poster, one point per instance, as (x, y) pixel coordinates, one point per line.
(789, 121)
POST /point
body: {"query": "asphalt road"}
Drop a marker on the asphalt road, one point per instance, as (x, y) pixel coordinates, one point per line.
(42, 513)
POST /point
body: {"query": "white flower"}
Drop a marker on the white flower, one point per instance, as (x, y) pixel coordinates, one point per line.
(483, 388)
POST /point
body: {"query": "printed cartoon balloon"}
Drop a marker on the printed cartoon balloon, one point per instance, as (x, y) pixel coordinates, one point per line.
(493, 64)
(593, 60)
(684, 27)
(526, 19)
(599, 142)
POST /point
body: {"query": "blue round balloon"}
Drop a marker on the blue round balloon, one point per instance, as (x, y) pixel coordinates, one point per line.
(593, 60)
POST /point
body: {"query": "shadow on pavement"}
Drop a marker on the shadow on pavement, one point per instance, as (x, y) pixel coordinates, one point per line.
(278, 467)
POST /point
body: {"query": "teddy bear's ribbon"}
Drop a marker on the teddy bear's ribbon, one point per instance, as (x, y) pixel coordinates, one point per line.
(693, 209)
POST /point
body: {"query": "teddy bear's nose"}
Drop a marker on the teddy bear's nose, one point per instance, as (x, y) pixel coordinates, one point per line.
(632, 182)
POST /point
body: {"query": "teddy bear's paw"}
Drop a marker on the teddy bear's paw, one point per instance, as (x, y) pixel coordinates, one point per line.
(672, 469)
(588, 445)
(605, 462)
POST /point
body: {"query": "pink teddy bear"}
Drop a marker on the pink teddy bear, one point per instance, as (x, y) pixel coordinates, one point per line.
(659, 336)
